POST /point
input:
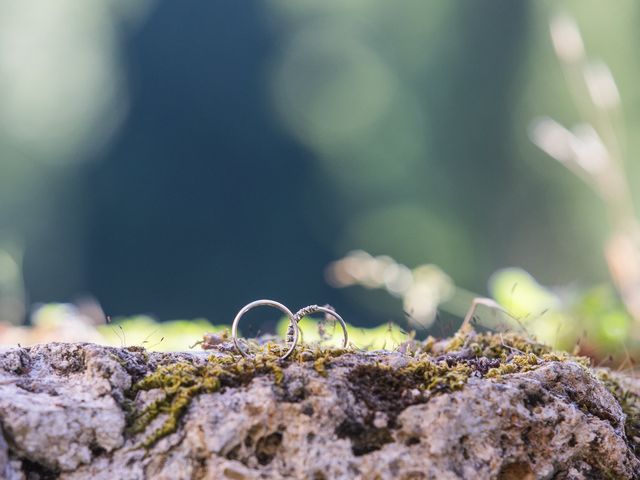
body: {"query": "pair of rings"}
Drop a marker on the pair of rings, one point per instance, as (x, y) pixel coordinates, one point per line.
(293, 334)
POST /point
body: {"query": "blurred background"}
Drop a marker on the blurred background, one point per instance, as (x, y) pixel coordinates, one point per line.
(176, 160)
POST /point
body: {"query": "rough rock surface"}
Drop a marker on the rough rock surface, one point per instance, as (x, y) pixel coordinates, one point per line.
(64, 411)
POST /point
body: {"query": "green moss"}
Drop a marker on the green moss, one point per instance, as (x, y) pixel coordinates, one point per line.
(431, 369)
(630, 404)
(181, 382)
(322, 358)
(456, 342)
(519, 363)
(319, 365)
(491, 345)
(441, 376)
(441, 367)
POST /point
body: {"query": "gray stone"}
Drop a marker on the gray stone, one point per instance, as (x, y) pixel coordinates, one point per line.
(63, 415)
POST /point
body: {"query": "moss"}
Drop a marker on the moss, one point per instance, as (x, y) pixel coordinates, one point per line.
(630, 404)
(519, 363)
(181, 382)
(442, 376)
(431, 369)
(492, 345)
(439, 368)
(429, 344)
(319, 365)
(456, 343)
(387, 391)
(322, 358)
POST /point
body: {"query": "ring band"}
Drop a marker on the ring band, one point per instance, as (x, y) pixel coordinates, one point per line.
(267, 303)
(311, 309)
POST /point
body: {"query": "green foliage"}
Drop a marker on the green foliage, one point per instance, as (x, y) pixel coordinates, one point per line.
(158, 336)
(386, 336)
(183, 334)
(593, 319)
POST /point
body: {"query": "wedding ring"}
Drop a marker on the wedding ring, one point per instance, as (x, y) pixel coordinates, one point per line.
(311, 309)
(266, 303)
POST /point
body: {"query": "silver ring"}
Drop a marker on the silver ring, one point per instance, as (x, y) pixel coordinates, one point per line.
(267, 303)
(311, 309)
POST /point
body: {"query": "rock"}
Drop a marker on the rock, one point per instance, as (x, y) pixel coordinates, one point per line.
(480, 409)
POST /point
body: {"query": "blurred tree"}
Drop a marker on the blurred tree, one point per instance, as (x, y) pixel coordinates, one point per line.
(195, 207)
(262, 142)
(201, 202)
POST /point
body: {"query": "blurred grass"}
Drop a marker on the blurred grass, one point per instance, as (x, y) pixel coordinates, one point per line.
(166, 336)
(180, 335)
